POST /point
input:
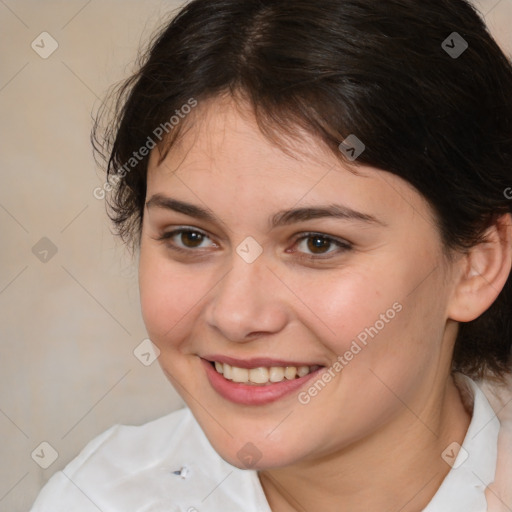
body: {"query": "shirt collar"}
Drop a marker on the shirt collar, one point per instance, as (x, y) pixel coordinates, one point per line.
(463, 489)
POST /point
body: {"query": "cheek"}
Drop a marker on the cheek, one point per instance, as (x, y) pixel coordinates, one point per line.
(168, 294)
(354, 305)
(396, 358)
(377, 320)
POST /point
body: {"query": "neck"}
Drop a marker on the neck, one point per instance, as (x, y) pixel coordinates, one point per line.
(399, 467)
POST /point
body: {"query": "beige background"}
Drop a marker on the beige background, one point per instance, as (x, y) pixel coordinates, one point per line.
(69, 326)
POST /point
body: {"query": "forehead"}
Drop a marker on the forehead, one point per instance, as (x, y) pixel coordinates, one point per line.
(223, 157)
(223, 133)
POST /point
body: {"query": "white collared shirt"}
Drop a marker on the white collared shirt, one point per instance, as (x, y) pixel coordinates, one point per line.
(463, 489)
(168, 465)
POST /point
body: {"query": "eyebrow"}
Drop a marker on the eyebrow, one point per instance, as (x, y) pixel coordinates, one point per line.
(281, 218)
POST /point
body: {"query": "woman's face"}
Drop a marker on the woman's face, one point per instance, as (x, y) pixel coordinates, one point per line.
(362, 294)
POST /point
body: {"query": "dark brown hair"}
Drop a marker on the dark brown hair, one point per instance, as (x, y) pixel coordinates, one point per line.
(396, 73)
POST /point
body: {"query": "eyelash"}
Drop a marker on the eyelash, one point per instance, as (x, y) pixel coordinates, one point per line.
(342, 245)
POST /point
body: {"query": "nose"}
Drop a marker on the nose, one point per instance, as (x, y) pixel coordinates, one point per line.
(246, 303)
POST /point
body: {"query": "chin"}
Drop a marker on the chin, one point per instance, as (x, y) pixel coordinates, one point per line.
(256, 455)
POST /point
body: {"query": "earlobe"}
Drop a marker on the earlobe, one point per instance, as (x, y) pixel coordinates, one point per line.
(483, 273)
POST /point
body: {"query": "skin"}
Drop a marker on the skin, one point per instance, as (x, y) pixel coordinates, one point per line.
(372, 439)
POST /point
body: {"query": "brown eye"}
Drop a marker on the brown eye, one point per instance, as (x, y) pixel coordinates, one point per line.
(191, 239)
(318, 245)
(184, 239)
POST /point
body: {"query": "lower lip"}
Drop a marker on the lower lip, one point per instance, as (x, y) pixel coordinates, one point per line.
(253, 395)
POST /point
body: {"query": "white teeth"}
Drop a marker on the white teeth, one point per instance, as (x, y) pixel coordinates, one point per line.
(302, 371)
(290, 372)
(258, 375)
(239, 374)
(276, 374)
(262, 375)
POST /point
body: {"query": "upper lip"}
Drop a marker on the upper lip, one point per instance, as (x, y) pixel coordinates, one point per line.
(256, 362)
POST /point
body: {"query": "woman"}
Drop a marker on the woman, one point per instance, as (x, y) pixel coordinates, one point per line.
(317, 191)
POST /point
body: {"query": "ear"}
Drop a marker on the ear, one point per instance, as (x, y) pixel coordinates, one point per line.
(484, 270)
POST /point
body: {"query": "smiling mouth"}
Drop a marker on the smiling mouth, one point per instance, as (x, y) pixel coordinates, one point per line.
(262, 375)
